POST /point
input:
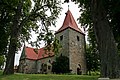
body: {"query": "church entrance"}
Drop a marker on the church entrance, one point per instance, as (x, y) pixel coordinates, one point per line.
(79, 71)
(44, 68)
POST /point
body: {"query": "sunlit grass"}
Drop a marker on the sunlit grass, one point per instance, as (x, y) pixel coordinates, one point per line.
(19, 76)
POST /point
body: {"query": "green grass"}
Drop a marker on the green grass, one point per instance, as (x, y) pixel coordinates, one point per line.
(46, 77)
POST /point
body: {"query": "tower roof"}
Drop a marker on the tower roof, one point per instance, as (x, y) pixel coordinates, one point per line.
(69, 22)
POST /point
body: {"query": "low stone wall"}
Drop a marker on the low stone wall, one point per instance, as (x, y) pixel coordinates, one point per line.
(114, 79)
(107, 79)
(103, 78)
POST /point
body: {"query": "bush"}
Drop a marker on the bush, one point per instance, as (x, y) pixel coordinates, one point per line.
(61, 65)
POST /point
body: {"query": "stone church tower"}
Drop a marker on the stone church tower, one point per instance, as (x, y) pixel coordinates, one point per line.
(72, 40)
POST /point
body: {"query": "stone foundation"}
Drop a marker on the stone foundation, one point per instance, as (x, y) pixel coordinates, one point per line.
(103, 78)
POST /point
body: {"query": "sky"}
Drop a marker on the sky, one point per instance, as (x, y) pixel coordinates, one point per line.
(75, 12)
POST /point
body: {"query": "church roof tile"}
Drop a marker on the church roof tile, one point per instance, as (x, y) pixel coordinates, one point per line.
(69, 22)
(30, 53)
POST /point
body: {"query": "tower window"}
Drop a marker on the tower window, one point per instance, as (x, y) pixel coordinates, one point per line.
(61, 38)
(78, 38)
(49, 67)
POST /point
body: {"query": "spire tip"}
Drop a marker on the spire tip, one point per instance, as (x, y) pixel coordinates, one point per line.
(68, 6)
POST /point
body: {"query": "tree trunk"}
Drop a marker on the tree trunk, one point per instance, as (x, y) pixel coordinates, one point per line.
(15, 32)
(105, 40)
(9, 68)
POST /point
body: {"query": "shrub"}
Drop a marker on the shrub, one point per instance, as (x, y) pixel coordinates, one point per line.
(61, 65)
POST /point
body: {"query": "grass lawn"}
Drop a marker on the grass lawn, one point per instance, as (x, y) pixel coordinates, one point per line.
(18, 76)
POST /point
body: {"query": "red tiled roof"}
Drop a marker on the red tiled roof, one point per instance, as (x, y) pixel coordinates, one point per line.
(30, 53)
(69, 22)
(42, 53)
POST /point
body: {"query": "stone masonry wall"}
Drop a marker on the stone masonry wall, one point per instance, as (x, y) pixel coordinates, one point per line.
(30, 66)
(45, 61)
(64, 43)
(73, 49)
(77, 51)
(34, 66)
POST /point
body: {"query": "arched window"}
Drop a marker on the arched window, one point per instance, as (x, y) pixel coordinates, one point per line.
(61, 37)
(78, 39)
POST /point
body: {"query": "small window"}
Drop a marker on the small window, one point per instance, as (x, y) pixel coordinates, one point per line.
(61, 38)
(78, 38)
(49, 61)
(49, 67)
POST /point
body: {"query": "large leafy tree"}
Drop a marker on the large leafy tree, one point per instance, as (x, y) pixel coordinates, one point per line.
(103, 16)
(18, 18)
(100, 20)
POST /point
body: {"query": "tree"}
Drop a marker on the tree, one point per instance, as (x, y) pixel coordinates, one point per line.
(106, 42)
(105, 39)
(20, 19)
(99, 14)
(61, 65)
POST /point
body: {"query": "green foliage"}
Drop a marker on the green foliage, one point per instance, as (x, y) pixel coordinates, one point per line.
(61, 65)
(2, 60)
(56, 46)
(92, 53)
(91, 38)
(5, 17)
(43, 12)
(112, 11)
(92, 58)
(113, 17)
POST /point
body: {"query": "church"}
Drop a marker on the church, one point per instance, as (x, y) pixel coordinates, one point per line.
(72, 40)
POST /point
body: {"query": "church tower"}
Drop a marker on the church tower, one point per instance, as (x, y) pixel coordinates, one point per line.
(72, 40)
